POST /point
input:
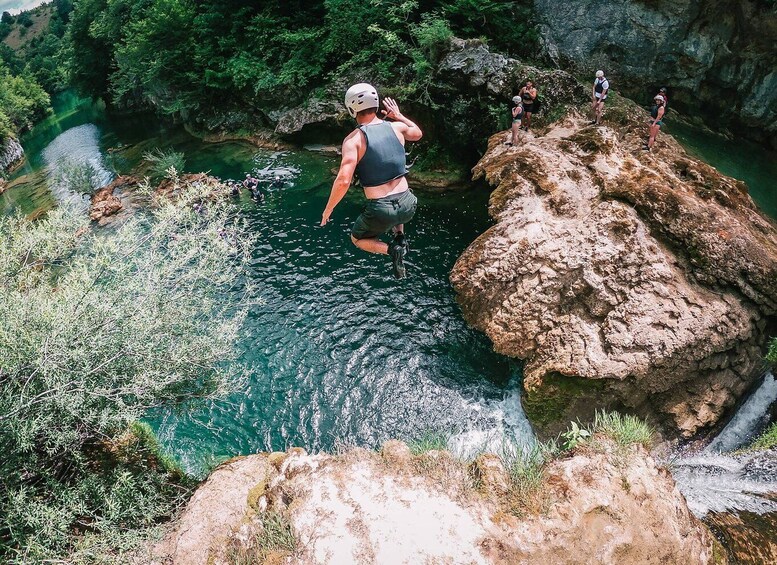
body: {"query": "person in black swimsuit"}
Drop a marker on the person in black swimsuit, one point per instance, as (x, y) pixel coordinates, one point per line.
(516, 114)
(528, 93)
(656, 115)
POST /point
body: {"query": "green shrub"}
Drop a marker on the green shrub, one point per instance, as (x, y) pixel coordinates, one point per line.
(771, 355)
(575, 436)
(80, 178)
(165, 164)
(96, 328)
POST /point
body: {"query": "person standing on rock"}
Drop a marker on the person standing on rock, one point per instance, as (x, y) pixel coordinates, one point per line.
(656, 113)
(598, 96)
(516, 113)
(528, 94)
(375, 151)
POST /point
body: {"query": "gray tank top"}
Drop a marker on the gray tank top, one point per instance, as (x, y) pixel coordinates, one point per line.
(384, 160)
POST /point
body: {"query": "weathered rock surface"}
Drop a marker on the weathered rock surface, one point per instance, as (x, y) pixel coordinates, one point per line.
(314, 111)
(470, 63)
(601, 505)
(11, 154)
(112, 199)
(717, 57)
(650, 274)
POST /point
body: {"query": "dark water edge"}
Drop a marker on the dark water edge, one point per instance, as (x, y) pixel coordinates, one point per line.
(741, 159)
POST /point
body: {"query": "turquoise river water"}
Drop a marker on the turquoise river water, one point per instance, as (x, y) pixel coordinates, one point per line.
(339, 352)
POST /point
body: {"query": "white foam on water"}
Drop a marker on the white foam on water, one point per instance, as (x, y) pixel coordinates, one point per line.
(720, 483)
(75, 146)
(741, 427)
(500, 426)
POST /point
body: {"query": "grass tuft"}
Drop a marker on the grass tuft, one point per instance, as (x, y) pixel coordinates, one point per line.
(429, 441)
(767, 440)
(274, 542)
(525, 469)
(625, 430)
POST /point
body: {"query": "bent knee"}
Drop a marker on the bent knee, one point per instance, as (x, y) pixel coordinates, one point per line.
(354, 241)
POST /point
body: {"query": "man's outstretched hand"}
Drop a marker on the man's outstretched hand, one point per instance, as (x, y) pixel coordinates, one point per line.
(392, 109)
(325, 217)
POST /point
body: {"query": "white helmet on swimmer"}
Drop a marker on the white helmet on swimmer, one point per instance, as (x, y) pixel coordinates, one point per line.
(659, 97)
(599, 74)
(516, 99)
(361, 97)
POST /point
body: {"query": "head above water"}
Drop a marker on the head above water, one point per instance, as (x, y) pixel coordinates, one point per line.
(361, 97)
(599, 74)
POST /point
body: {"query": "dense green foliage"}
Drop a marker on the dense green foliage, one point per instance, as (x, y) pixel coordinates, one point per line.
(185, 57)
(98, 328)
(22, 102)
(44, 57)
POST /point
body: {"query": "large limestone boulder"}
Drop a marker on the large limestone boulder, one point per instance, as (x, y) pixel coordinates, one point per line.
(604, 504)
(648, 275)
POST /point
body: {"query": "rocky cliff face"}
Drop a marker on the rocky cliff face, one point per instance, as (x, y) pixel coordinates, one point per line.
(649, 275)
(602, 505)
(717, 57)
(11, 154)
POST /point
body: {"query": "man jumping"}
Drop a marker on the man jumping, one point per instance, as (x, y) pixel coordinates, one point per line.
(375, 151)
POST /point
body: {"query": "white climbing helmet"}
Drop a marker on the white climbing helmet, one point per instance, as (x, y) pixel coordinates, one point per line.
(361, 97)
(659, 97)
(599, 74)
(516, 99)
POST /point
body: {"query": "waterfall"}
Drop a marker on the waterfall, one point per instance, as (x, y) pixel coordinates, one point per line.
(717, 480)
(742, 426)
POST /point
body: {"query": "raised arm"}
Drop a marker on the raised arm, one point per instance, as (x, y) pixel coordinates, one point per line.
(409, 130)
(344, 175)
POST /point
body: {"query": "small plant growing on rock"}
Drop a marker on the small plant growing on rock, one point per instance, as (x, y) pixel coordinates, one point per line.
(574, 436)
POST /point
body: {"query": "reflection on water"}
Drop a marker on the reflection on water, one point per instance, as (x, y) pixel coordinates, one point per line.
(76, 147)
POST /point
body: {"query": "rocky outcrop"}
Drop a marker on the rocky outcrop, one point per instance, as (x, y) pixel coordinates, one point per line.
(717, 57)
(603, 504)
(471, 64)
(474, 87)
(11, 155)
(314, 111)
(649, 275)
(113, 198)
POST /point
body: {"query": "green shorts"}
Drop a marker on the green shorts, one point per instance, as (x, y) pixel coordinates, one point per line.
(382, 214)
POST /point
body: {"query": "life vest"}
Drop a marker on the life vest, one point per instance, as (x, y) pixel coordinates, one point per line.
(599, 86)
(384, 159)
